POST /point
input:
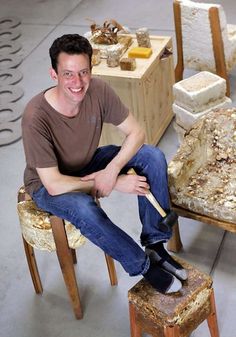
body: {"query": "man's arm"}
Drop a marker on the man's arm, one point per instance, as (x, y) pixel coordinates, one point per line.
(105, 180)
(57, 183)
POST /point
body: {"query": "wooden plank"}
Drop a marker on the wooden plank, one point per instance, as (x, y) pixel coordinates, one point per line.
(229, 226)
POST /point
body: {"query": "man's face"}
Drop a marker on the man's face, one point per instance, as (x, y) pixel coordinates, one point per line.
(73, 76)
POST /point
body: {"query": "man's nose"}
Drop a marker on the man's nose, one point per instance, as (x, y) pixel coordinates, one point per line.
(77, 78)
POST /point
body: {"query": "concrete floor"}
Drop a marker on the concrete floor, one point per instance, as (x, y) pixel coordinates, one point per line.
(22, 312)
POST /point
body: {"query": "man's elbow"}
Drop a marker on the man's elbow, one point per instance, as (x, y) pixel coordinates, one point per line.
(52, 189)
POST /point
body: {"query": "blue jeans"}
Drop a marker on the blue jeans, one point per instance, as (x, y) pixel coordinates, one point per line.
(81, 209)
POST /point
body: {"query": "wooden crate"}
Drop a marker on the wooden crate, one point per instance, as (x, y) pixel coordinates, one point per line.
(147, 91)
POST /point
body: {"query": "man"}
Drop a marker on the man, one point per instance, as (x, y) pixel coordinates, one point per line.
(65, 169)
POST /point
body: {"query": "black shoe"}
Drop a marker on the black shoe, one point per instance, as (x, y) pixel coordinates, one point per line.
(158, 253)
(161, 280)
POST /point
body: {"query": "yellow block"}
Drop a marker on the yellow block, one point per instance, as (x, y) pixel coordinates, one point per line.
(140, 52)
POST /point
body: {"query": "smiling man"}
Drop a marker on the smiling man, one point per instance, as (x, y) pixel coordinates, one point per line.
(65, 168)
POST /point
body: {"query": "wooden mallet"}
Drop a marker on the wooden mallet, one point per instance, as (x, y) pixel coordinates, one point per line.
(169, 219)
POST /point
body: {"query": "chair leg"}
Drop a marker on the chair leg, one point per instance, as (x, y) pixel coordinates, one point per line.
(218, 46)
(179, 69)
(171, 331)
(29, 252)
(135, 329)
(66, 263)
(175, 244)
(73, 252)
(111, 270)
(212, 318)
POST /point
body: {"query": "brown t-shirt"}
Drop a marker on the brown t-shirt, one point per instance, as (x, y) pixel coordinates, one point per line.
(52, 139)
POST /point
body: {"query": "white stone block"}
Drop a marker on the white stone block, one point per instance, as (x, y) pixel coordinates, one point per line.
(185, 118)
(199, 92)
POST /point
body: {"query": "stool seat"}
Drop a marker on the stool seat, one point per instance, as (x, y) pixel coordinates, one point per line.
(177, 314)
(37, 230)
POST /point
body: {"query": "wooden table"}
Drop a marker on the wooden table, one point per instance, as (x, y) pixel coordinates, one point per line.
(147, 91)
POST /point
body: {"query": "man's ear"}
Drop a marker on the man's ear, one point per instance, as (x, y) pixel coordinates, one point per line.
(53, 74)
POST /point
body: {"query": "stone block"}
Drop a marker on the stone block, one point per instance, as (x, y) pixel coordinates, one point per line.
(185, 118)
(199, 92)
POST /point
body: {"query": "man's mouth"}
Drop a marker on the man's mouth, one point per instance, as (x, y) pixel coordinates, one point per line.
(76, 90)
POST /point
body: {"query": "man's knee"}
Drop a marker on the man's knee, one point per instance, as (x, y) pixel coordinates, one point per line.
(153, 155)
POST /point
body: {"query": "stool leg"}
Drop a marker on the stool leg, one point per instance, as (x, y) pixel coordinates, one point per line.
(111, 270)
(66, 263)
(73, 252)
(175, 244)
(212, 318)
(134, 327)
(171, 331)
(29, 252)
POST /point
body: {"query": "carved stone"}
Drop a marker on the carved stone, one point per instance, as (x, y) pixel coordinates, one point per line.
(202, 175)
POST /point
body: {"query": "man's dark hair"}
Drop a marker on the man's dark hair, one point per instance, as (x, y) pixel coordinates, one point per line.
(70, 44)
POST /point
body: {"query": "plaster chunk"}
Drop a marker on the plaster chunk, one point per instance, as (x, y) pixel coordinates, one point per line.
(202, 175)
(199, 92)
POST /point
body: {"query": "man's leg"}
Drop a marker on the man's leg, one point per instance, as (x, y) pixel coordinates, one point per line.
(150, 162)
(81, 210)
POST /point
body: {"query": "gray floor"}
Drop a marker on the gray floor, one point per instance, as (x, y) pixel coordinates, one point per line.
(24, 314)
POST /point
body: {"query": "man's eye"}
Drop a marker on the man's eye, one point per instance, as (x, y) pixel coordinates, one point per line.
(67, 74)
(84, 72)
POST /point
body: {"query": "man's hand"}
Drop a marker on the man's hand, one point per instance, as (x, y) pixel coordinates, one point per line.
(134, 184)
(104, 181)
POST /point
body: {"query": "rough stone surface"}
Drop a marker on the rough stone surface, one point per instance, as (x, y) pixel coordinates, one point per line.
(180, 132)
(199, 92)
(197, 39)
(202, 175)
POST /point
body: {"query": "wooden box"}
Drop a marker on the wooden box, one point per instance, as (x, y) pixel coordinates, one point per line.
(147, 91)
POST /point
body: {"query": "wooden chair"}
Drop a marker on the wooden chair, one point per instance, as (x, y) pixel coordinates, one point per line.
(202, 178)
(204, 39)
(44, 231)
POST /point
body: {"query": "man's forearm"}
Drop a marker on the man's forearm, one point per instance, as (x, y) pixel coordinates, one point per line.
(57, 183)
(129, 148)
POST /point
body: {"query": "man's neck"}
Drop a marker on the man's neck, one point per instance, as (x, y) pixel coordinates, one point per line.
(60, 104)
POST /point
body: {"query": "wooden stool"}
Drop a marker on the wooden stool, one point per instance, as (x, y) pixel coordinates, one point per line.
(45, 231)
(175, 315)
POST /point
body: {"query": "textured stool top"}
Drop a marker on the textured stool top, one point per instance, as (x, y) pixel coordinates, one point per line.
(36, 227)
(173, 308)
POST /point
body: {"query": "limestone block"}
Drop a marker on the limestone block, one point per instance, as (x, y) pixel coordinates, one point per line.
(185, 119)
(202, 175)
(199, 92)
